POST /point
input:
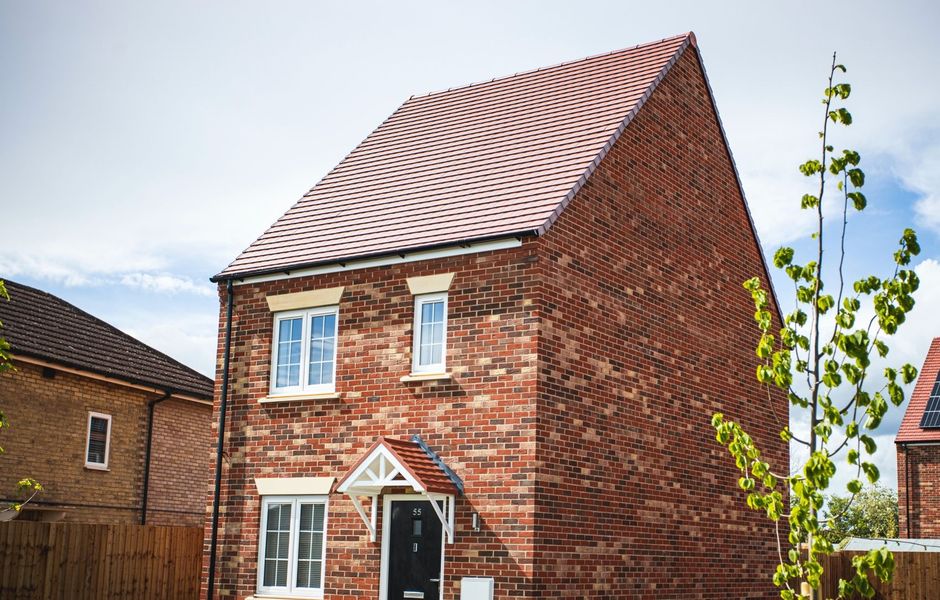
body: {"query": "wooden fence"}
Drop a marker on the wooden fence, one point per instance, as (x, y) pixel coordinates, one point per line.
(916, 576)
(72, 561)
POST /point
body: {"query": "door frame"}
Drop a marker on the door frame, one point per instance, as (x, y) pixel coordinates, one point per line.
(386, 534)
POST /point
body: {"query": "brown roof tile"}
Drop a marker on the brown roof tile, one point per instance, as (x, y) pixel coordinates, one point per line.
(43, 326)
(488, 160)
(910, 430)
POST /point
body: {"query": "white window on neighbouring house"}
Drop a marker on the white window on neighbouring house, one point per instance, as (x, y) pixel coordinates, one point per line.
(98, 441)
(292, 545)
(430, 333)
(304, 356)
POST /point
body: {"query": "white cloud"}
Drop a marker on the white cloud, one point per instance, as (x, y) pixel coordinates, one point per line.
(917, 167)
(165, 283)
(190, 338)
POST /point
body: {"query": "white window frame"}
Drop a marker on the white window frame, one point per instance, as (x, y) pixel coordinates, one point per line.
(441, 367)
(305, 316)
(291, 590)
(107, 442)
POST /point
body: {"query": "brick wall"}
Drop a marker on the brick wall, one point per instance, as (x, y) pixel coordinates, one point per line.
(647, 332)
(47, 437)
(178, 468)
(481, 423)
(46, 441)
(919, 491)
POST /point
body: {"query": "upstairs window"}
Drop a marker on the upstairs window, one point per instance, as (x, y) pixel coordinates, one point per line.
(304, 357)
(430, 333)
(292, 545)
(98, 441)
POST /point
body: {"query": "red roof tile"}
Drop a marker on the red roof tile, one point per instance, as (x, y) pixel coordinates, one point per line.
(910, 430)
(488, 160)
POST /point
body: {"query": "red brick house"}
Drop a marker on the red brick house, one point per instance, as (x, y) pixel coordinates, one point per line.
(115, 431)
(918, 447)
(480, 357)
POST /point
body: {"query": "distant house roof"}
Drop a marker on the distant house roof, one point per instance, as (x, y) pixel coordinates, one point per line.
(494, 159)
(43, 326)
(927, 380)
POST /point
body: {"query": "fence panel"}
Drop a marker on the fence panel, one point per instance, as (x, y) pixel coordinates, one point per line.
(74, 561)
(916, 576)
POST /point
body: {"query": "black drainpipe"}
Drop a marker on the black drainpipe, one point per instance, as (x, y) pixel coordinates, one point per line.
(146, 490)
(907, 486)
(223, 401)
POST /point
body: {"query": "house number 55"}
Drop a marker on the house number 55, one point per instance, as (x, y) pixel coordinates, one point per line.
(416, 512)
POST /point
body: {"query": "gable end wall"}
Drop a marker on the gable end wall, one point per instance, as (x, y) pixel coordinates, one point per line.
(646, 332)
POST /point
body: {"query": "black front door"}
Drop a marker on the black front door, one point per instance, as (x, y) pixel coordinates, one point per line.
(414, 551)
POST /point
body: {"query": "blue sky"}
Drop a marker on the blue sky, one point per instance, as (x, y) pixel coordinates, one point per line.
(143, 145)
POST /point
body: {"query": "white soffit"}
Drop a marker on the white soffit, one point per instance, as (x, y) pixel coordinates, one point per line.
(311, 299)
(293, 486)
(430, 283)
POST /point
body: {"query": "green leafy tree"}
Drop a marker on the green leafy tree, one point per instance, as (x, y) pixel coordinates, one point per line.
(821, 358)
(872, 514)
(27, 485)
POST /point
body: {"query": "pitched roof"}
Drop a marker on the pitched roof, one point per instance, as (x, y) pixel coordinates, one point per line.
(43, 326)
(484, 161)
(910, 430)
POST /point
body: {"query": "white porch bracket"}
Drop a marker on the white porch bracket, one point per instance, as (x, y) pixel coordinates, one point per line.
(446, 515)
(369, 520)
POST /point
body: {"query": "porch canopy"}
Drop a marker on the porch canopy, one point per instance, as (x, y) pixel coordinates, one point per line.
(392, 463)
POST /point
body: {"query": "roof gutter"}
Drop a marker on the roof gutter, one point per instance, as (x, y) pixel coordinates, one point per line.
(223, 403)
(348, 262)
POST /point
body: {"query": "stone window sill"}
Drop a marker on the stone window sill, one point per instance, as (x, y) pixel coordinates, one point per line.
(427, 377)
(296, 398)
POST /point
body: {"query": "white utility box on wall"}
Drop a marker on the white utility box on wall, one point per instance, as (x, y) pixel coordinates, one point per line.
(476, 588)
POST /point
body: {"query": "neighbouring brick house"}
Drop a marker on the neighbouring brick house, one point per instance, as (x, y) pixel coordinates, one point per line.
(918, 446)
(521, 300)
(80, 402)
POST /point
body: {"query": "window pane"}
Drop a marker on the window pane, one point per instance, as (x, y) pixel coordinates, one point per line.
(288, 352)
(277, 545)
(316, 569)
(310, 545)
(437, 333)
(436, 354)
(97, 440)
(439, 311)
(316, 350)
(322, 342)
(282, 377)
(424, 357)
(303, 574)
(427, 312)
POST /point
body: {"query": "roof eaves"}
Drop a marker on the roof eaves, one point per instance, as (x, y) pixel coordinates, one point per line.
(239, 275)
(689, 40)
(151, 383)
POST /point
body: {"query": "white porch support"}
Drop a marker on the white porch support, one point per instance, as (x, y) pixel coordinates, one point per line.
(447, 515)
(370, 520)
